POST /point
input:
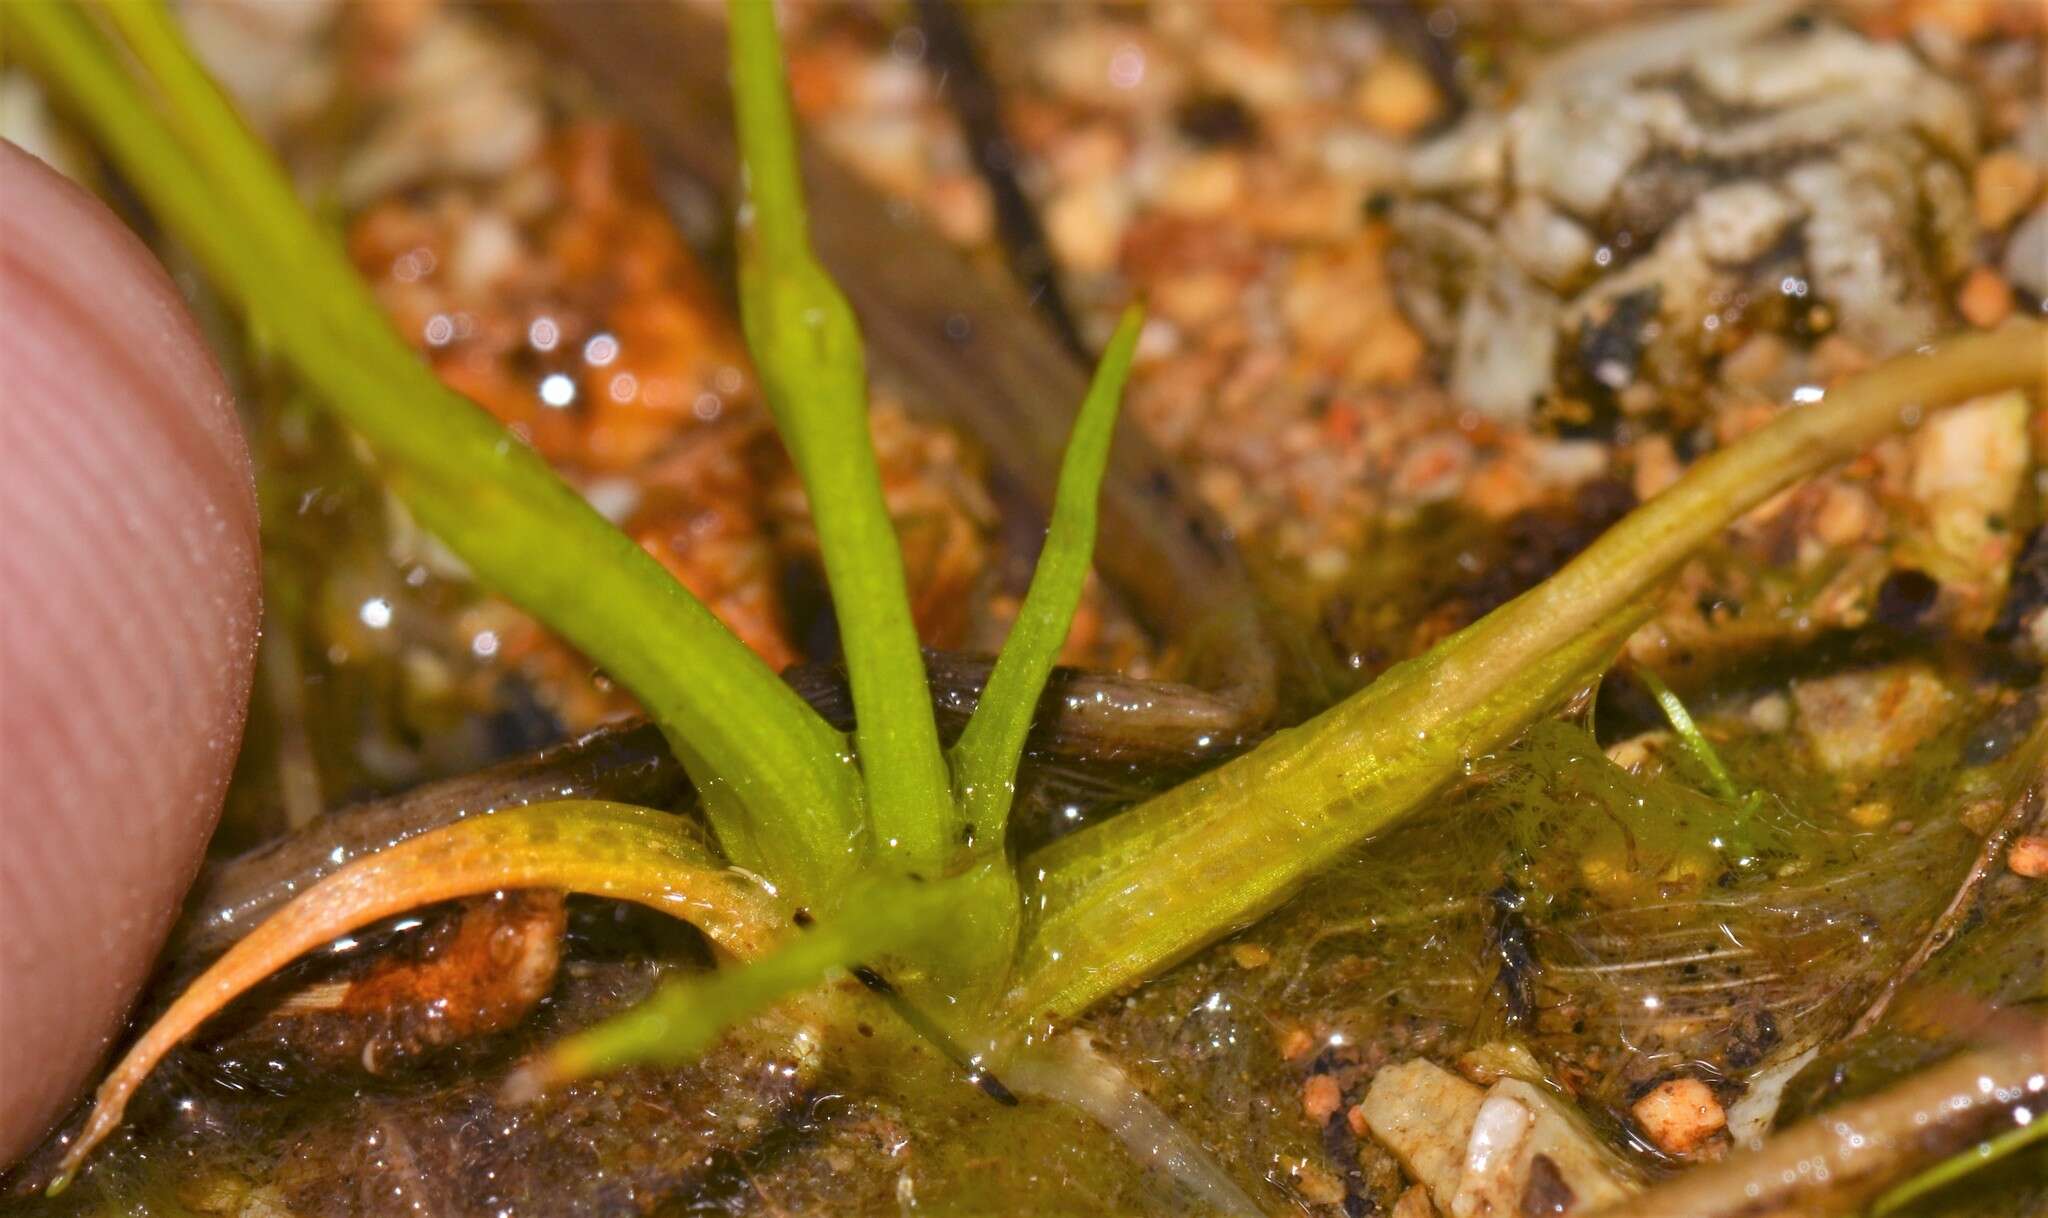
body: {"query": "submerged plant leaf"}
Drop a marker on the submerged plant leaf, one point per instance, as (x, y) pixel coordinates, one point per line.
(1117, 902)
(1114, 903)
(685, 1016)
(1959, 1165)
(778, 789)
(807, 347)
(1122, 900)
(986, 755)
(1689, 734)
(627, 853)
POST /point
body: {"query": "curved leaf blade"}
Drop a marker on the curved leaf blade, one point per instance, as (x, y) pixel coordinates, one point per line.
(612, 850)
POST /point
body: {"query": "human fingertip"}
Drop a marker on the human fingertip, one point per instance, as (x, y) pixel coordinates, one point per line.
(133, 571)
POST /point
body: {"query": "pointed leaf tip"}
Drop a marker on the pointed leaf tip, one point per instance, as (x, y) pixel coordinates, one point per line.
(986, 756)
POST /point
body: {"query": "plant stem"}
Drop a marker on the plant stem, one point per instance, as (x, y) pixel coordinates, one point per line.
(1126, 898)
(1720, 487)
(808, 349)
(232, 160)
(1958, 1165)
(685, 1016)
(778, 790)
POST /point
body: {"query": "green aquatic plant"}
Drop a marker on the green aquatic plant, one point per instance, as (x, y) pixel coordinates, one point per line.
(892, 852)
(1690, 735)
(763, 759)
(807, 346)
(611, 850)
(1958, 1166)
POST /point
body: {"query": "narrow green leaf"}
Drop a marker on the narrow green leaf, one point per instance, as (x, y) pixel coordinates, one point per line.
(1689, 734)
(986, 755)
(212, 133)
(807, 347)
(778, 791)
(684, 1017)
(1955, 1167)
(1122, 899)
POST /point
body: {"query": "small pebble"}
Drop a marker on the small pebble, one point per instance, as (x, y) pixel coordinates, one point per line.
(2026, 253)
(1318, 1186)
(1771, 713)
(1679, 1114)
(1296, 1044)
(1759, 361)
(1197, 297)
(960, 207)
(1206, 185)
(1321, 1097)
(1656, 466)
(1846, 515)
(1635, 752)
(1397, 97)
(1962, 20)
(1980, 815)
(1327, 563)
(2029, 856)
(2004, 184)
(1995, 738)
(1985, 298)
(1086, 225)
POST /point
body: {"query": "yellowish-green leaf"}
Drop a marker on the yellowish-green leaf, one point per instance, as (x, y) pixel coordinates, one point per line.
(635, 854)
(684, 1017)
(986, 755)
(807, 347)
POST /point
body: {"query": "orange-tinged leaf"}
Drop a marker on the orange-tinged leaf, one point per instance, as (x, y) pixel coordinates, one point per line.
(604, 849)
